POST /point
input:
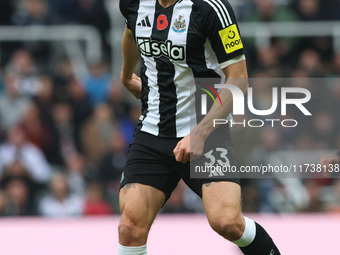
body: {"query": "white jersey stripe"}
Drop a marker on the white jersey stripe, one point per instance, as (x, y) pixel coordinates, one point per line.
(211, 59)
(217, 12)
(222, 11)
(225, 10)
(184, 79)
(152, 118)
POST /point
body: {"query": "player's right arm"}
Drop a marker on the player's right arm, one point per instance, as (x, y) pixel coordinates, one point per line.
(131, 58)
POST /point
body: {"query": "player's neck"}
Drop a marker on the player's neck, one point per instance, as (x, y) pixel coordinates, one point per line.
(166, 3)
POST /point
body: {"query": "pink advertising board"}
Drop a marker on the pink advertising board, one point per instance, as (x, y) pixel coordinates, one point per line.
(189, 234)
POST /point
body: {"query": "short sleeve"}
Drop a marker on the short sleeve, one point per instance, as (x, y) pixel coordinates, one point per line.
(123, 6)
(221, 28)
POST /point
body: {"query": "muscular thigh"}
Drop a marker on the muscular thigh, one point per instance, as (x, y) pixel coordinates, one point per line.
(140, 203)
(222, 199)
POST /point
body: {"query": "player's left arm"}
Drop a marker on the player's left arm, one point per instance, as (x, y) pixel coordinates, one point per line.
(237, 76)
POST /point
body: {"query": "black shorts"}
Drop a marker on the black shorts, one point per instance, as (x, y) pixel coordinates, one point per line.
(151, 162)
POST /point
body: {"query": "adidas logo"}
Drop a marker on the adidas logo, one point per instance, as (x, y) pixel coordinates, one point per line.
(144, 22)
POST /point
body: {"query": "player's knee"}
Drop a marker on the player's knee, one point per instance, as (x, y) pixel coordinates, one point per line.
(131, 234)
(230, 227)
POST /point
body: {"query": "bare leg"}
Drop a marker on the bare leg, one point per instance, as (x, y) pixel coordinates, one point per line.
(139, 205)
(222, 203)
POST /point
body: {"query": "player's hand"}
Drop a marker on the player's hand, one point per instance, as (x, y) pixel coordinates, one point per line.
(330, 160)
(184, 151)
(133, 84)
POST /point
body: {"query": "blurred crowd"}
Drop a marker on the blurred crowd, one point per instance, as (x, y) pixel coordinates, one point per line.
(52, 12)
(63, 136)
(64, 140)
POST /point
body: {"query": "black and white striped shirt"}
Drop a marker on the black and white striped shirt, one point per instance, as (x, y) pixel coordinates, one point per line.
(188, 40)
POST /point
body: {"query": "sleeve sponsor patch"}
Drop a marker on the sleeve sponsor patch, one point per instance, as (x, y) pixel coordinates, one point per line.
(231, 39)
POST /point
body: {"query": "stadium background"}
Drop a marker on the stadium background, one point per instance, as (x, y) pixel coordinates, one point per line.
(66, 120)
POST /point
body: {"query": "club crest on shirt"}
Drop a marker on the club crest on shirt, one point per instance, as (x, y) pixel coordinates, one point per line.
(179, 25)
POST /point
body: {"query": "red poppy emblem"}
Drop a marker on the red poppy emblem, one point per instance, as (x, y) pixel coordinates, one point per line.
(162, 22)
